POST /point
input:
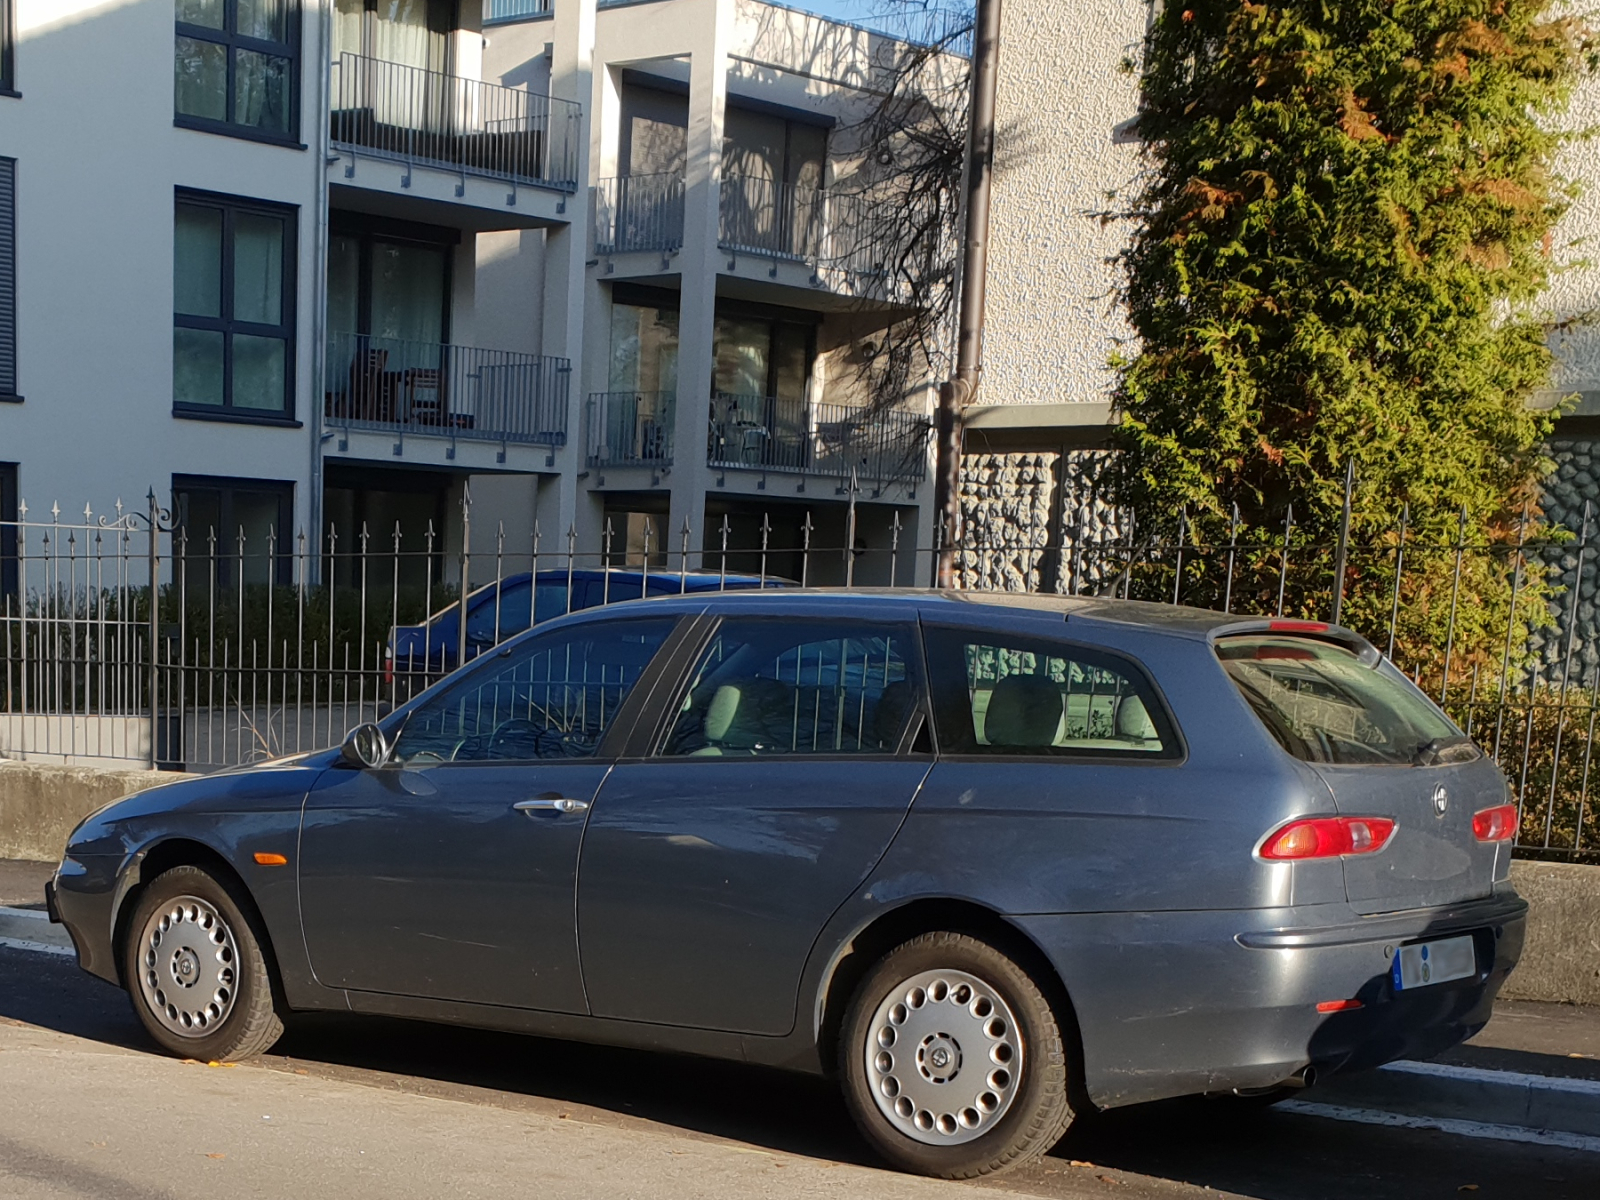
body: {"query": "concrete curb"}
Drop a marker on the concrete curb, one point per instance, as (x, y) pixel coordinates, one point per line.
(1440, 1091)
(26, 929)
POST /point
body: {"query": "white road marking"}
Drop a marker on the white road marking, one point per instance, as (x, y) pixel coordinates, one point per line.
(31, 914)
(35, 947)
(1457, 1128)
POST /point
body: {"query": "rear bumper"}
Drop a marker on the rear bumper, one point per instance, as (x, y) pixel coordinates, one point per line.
(1173, 1004)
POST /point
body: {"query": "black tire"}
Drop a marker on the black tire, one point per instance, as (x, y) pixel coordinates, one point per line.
(1036, 1108)
(232, 1012)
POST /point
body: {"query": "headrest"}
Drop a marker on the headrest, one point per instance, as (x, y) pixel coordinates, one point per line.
(1024, 710)
(1133, 721)
(749, 712)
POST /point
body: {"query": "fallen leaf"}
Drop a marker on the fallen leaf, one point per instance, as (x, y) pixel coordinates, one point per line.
(1107, 1179)
(301, 1071)
(561, 1117)
(1078, 1162)
(216, 1156)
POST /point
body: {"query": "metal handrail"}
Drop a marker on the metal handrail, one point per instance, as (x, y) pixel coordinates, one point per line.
(775, 433)
(440, 390)
(631, 428)
(638, 212)
(421, 116)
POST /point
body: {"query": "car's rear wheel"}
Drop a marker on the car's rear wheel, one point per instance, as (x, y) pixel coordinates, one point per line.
(196, 972)
(952, 1060)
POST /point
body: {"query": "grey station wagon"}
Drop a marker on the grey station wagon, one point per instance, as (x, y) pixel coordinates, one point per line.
(990, 860)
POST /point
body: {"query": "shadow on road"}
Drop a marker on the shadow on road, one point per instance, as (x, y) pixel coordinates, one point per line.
(1263, 1155)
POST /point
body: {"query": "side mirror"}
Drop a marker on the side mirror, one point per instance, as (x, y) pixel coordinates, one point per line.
(365, 746)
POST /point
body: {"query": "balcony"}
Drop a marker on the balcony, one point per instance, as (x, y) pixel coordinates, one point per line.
(441, 391)
(768, 433)
(464, 126)
(631, 429)
(638, 213)
(832, 233)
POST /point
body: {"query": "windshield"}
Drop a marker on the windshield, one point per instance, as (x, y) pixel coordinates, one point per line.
(1325, 705)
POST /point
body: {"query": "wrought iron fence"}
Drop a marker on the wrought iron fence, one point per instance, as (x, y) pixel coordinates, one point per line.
(638, 212)
(430, 389)
(419, 116)
(219, 671)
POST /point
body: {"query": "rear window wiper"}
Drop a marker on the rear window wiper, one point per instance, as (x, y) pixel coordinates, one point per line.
(1441, 750)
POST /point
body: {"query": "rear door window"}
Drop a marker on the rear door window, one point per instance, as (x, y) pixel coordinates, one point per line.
(1011, 695)
(1324, 703)
(768, 687)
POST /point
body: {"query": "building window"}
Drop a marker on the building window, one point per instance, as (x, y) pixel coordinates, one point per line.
(8, 280)
(235, 66)
(8, 47)
(233, 531)
(233, 308)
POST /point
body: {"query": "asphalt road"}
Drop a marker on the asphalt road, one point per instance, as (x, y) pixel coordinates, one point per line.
(392, 1109)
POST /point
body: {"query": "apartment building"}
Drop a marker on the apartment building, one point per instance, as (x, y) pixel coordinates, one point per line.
(315, 269)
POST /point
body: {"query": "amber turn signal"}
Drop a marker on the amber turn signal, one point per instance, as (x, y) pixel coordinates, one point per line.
(270, 860)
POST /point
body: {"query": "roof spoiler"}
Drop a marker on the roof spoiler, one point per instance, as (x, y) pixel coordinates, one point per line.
(1317, 630)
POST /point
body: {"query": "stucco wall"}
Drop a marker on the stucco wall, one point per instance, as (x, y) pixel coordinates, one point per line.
(1053, 318)
(98, 159)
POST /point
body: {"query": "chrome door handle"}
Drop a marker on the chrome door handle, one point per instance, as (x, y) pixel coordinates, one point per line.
(560, 804)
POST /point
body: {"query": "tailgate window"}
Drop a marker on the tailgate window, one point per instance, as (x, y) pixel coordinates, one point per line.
(1324, 704)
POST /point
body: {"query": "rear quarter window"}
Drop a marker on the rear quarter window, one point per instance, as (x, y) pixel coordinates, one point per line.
(1325, 703)
(1004, 695)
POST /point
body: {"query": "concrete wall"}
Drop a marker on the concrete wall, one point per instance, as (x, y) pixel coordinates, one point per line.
(1561, 960)
(40, 806)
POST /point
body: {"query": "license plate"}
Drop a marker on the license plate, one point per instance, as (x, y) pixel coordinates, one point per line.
(1434, 962)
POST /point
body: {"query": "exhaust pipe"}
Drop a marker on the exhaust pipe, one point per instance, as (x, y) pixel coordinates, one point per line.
(1303, 1078)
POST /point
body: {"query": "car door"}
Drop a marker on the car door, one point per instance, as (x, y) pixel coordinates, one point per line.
(449, 873)
(784, 765)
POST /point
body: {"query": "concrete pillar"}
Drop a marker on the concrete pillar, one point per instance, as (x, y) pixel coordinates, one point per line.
(563, 500)
(708, 94)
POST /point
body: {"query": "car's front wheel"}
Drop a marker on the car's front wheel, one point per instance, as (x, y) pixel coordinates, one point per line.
(952, 1060)
(196, 971)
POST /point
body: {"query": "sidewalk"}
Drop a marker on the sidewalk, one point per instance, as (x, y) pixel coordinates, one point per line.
(22, 883)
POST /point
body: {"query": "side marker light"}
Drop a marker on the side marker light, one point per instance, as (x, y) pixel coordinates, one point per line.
(1333, 1006)
(270, 860)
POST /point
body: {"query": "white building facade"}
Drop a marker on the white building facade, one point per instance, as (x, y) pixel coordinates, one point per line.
(322, 267)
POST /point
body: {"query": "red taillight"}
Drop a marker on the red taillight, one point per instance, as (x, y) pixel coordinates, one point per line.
(1328, 837)
(1498, 824)
(1333, 1006)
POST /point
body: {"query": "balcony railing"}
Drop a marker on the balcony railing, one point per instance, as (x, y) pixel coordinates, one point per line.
(515, 10)
(631, 429)
(465, 125)
(435, 390)
(774, 220)
(776, 434)
(638, 212)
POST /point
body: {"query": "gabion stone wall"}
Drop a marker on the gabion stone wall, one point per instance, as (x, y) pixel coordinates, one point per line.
(1034, 523)
(1576, 480)
(1007, 505)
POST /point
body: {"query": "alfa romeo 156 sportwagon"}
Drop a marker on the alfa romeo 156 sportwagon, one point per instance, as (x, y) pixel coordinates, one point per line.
(989, 860)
